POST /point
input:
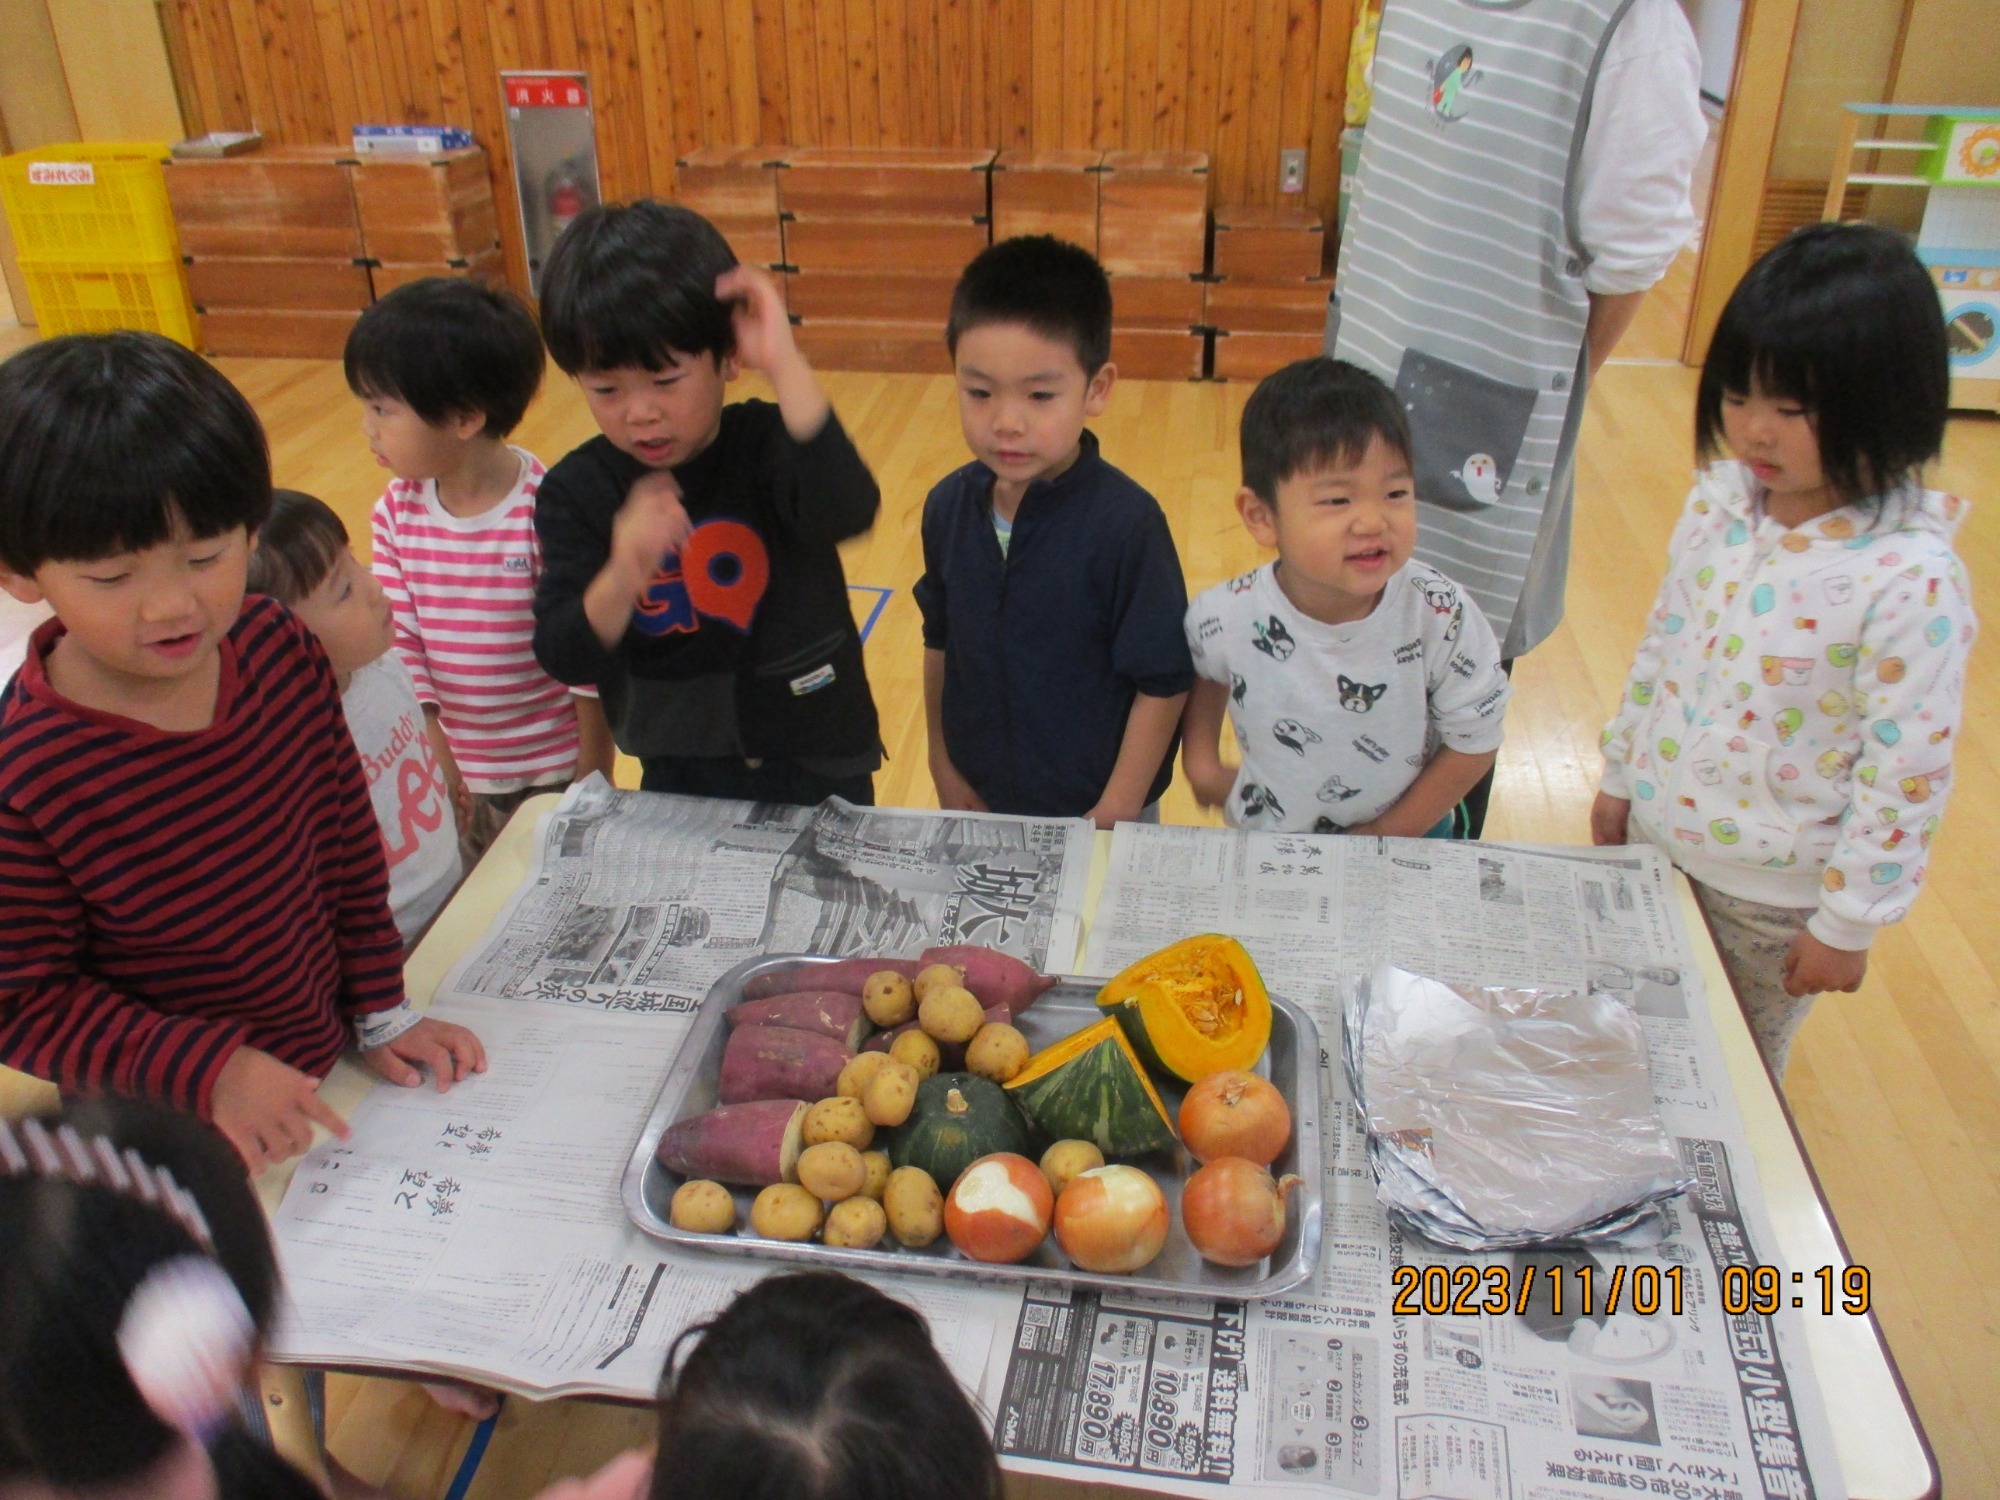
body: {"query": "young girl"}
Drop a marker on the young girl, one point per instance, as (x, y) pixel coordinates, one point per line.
(818, 1387)
(302, 560)
(445, 369)
(1786, 732)
(137, 1280)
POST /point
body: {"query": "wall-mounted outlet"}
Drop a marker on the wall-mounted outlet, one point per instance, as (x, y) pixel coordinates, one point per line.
(1291, 171)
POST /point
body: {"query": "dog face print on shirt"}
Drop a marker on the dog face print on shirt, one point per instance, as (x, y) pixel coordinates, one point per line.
(1360, 697)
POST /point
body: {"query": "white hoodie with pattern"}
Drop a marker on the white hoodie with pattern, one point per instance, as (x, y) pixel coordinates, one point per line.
(1786, 732)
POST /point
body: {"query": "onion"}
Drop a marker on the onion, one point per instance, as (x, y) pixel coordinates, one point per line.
(1111, 1219)
(999, 1208)
(1234, 1212)
(1234, 1113)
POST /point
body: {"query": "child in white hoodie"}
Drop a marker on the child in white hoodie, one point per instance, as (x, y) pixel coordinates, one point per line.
(1786, 731)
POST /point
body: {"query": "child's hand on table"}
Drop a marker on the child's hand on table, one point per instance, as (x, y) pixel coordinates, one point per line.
(1813, 967)
(267, 1109)
(1609, 818)
(451, 1053)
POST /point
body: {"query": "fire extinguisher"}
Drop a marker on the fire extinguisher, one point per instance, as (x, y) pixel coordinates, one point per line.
(565, 200)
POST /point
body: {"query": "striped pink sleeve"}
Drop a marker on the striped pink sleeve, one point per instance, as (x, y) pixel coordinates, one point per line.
(387, 566)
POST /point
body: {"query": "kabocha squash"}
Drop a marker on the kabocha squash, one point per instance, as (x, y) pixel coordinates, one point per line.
(1090, 1087)
(958, 1118)
(1194, 1008)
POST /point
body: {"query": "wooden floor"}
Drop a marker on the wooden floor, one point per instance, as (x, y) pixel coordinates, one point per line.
(1897, 1089)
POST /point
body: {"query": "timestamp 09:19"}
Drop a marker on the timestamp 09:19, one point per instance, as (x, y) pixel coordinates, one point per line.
(1646, 1290)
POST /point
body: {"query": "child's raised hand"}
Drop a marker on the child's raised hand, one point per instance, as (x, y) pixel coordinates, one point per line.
(267, 1109)
(1609, 818)
(451, 1053)
(1814, 968)
(651, 523)
(757, 308)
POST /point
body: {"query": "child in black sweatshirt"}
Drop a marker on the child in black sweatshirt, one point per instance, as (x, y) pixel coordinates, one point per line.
(689, 562)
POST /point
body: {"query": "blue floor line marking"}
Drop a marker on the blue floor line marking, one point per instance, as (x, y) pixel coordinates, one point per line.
(468, 1466)
(881, 603)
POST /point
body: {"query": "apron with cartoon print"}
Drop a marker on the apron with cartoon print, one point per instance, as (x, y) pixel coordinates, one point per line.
(1461, 281)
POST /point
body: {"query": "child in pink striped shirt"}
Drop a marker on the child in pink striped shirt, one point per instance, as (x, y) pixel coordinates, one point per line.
(445, 369)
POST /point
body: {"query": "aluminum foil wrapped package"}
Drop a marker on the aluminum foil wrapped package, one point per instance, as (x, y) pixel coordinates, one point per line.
(1506, 1117)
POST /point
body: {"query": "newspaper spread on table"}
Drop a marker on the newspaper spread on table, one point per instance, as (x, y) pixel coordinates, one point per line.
(1338, 1389)
(480, 1232)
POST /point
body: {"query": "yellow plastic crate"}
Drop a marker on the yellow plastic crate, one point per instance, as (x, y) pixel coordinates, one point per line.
(96, 299)
(97, 204)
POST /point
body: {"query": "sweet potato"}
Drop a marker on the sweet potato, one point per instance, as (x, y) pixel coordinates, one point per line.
(752, 1145)
(847, 976)
(996, 978)
(776, 1062)
(951, 1053)
(822, 1012)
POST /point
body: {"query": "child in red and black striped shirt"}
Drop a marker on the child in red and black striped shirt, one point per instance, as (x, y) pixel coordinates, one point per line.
(191, 879)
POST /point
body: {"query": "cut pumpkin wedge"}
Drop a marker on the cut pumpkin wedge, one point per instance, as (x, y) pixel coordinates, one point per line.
(1194, 1008)
(1091, 1086)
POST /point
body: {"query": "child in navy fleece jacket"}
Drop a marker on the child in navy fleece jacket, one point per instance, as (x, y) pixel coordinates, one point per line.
(1055, 665)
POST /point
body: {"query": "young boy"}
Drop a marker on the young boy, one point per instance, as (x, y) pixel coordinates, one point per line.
(191, 880)
(1054, 665)
(445, 369)
(1366, 693)
(303, 561)
(690, 558)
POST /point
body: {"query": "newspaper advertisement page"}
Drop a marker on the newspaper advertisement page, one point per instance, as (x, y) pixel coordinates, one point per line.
(1405, 1370)
(638, 902)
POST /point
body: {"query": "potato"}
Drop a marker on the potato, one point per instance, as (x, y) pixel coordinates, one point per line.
(857, 1224)
(702, 1207)
(950, 1014)
(888, 998)
(785, 1211)
(839, 1119)
(892, 1093)
(831, 1171)
(919, 1051)
(854, 1077)
(1067, 1160)
(914, 1206)
(937, 976)
(879, 1167)
(998, 1052)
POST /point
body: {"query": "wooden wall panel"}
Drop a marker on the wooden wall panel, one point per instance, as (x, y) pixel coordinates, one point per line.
(1239, 79)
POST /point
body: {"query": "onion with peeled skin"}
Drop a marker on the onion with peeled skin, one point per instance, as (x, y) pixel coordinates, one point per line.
(1233, 1211)
(1235, 1113)
(1111, 1219)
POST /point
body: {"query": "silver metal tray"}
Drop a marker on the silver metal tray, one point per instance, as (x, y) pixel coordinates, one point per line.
(1291, 1062)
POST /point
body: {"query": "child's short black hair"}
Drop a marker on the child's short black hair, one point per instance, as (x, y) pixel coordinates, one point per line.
(297, 546)
(1315, 412)
(1844, 320)
(72, 1256)
(106, 438)
(1046, 284)
(816, 1386)
(632, 285)
(448, 346)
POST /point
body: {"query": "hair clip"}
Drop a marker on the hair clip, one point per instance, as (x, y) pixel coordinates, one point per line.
(186, 1339)
(32, 1150)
